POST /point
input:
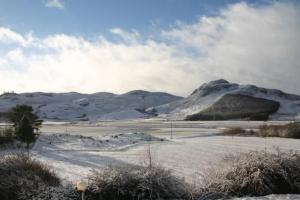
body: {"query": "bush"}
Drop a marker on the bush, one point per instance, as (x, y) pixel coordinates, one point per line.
(51, 193)
(291, 130)
(254, 174)
(130, 183)
(20, 174)
(233, 131)
(6, 135)
(3, 116)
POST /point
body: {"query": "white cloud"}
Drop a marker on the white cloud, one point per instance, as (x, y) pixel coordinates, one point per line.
(247, 44)
(55, 4)
(259, 45)
(16, 56)
(8, 36)
(71, 63)
(131, 37)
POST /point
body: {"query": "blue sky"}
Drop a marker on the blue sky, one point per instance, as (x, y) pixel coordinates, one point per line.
(157, 45)
(90, 17)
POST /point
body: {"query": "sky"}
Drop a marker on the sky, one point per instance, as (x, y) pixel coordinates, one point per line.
(157, 45)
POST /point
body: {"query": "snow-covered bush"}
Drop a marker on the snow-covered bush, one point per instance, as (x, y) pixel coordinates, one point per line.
(130, 183)
(20, 174)
(44, 192)
(253, 174)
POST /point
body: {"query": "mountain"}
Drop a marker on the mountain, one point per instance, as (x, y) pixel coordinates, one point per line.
(98, 106)
(218, 100)
(207, 96)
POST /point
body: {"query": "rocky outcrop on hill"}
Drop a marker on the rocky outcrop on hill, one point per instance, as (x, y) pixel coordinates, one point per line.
(237, 106)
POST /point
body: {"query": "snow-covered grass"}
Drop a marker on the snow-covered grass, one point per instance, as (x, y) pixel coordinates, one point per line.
(194, 147)
(70, 142)
(75, 155)
(272, 197)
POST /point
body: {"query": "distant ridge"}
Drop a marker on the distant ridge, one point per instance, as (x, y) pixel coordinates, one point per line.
(75, 106)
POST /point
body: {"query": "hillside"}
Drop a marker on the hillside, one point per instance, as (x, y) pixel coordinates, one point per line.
(142, 104)
(98, 106)
(237, 106)
(209, 93)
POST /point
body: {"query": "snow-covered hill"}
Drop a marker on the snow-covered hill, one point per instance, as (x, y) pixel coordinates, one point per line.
(98, 106)
(142, 104)
(209, 93)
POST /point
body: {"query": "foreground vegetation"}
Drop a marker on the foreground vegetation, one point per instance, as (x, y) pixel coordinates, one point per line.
(246, 174)
(132, 182)
(21, 175)
(291, 130)
(254, 174)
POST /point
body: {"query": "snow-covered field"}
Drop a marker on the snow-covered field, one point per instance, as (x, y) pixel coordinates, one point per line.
(187, 148)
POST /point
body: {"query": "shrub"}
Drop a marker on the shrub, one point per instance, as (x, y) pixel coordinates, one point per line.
(130, 183)
(254, 174)
(3, 116)
(20, 174)
(51, 193)
(291, 130)
(233, 131)
(6, 135)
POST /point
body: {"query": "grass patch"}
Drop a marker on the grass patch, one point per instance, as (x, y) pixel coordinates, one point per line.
(20, 174)
(133, 183)
(253, 174)
(291, 130)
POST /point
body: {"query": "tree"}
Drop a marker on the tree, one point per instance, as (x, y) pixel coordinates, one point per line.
(25, 132)
(25, 122)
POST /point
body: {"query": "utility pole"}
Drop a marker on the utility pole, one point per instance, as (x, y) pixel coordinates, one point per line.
(171, 129)
(144, 104)
(214, 114)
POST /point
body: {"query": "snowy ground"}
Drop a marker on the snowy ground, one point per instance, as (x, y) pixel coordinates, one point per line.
(272, 197)
(187, 148)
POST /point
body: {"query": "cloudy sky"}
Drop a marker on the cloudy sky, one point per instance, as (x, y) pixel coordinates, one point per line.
(157, 45)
